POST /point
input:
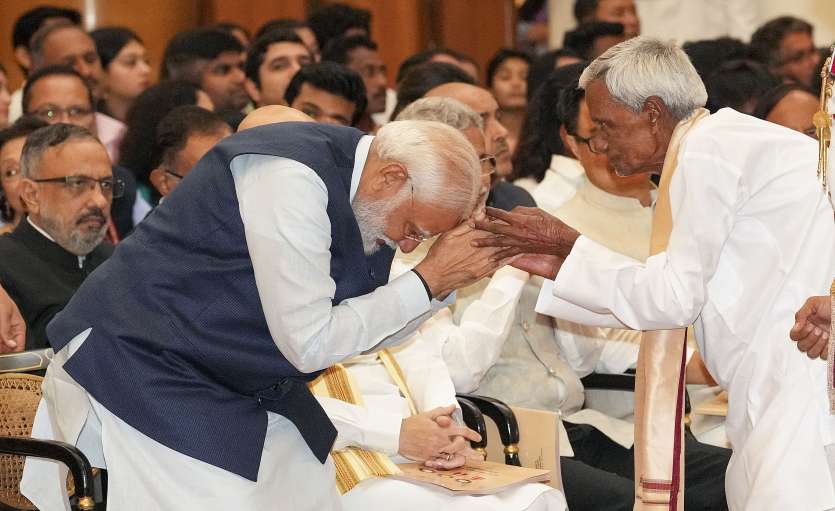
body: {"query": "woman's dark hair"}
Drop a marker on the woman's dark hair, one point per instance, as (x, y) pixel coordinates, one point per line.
(542, 67)
(501, 56)
(738, 84)
(425, 77)
(771, 97)
(540, 135)
(139, 151)
(110, 41)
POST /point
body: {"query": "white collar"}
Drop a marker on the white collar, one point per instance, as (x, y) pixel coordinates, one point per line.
(360, 158)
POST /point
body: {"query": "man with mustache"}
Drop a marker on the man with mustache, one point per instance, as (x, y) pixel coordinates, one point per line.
(67, 188)
(503, 195)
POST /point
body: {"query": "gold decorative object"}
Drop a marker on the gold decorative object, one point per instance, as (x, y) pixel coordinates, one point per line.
(823, 123)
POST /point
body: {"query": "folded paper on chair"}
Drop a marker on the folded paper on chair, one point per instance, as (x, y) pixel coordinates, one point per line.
(484, 478)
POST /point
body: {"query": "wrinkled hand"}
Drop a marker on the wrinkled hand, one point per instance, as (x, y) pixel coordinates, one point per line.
(423, 439)
(526, 231)
(543, 265)
(12, 326)
(454, 262)
(811, 327)
(459, 450)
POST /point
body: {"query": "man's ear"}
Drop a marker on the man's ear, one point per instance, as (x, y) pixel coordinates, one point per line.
(160, 181)
(390, 178)
(253, 91)
(569, 141)
(22, 56)
(30, 196)
(654, 109)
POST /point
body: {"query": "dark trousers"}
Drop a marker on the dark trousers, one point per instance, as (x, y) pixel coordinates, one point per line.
(600, 475)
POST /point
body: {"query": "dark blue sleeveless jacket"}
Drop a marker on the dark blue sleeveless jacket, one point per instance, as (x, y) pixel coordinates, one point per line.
(179, 347)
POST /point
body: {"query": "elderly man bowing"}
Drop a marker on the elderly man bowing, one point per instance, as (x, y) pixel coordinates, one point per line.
(181, 365)
(742, 234)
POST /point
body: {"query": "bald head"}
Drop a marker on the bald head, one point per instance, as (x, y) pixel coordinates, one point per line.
(272, 114)
(484, 104)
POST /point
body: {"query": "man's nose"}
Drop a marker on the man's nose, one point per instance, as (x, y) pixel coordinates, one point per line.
(407, 245)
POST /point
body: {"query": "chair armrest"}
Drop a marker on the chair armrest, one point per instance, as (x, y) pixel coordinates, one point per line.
(474, 419)
(603, 381)
(67, 454)
(505, 421)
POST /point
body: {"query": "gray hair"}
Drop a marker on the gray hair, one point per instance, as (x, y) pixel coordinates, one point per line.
(446, 110)
(42, 139)
(642, 67)
(441, 162)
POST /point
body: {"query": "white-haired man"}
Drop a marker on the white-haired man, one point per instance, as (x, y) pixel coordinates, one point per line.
(183, 363)
(391, 416)
(742, 234)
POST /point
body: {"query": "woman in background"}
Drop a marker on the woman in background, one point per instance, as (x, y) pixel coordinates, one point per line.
(507, 79)
(127, 72)
(5, 98)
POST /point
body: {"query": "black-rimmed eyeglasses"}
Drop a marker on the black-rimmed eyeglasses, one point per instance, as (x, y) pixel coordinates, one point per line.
(78, 185)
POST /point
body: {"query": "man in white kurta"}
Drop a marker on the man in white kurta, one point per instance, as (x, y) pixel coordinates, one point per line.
(752, 236)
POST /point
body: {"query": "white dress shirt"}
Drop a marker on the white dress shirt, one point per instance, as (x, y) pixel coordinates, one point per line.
(283, 206)
(752, 238)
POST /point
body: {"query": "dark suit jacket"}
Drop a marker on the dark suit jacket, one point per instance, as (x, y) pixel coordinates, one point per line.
(40, 276)
(507, 196)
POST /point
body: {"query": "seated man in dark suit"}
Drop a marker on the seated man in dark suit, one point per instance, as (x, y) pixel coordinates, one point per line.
(67, 188)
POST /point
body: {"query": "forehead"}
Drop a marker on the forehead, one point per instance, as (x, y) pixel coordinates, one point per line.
(59, 90)
(133, 46)
(513, 64)
(316, 95)
(67, 41)
(286, 49)
(196, 146)
(76, 157)
(227, 57)
(797, 40)
(598, 100)
(364, 56)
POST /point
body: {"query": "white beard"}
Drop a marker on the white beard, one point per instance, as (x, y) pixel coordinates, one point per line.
(372, 217)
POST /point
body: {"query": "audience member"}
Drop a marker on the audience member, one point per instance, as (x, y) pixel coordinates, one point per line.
(184, 135)
(706, 55)
(329, 93)
(786, 46)
(140, 152)
(541, 153)
(359, 53)
(609, 11)
(503, 195)
(212, 60)
(301, 29)
(738, 84)
(67, 188)
(790, 105)
(507, 79)
(237, 31)
(5, 98)
(339, 20)
(11, 147)
(434, 55)
(424, 77)
(66, 44)
(58, 94)
(63, 43)
(271, 63)
(127, 71)
(542, 67)
(590, 40)
(24, 28)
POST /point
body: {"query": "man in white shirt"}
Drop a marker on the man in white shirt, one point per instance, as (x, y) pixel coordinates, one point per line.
(269, 262)
(752, 236)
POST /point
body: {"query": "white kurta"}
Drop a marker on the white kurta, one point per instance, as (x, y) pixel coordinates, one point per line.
(752, 238)
(283, 209)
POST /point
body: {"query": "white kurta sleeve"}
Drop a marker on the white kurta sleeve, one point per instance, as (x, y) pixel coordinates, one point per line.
(472, 347)
(363, 427)
(283, 207)
(669, 290)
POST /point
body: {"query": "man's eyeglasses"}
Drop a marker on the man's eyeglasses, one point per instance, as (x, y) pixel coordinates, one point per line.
(416, 235)
(55, 113)
(490, 168)
(595, 143)
(78, 185)
(172, 173)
